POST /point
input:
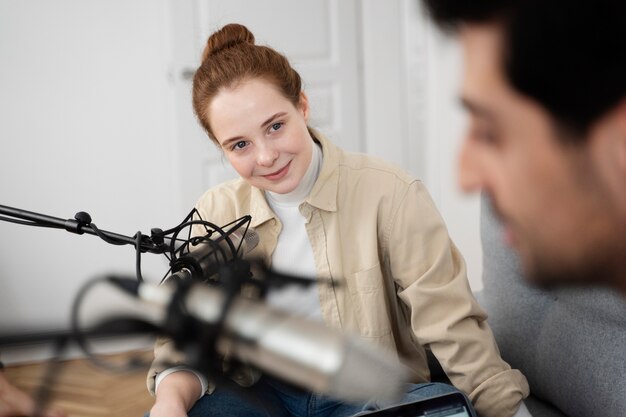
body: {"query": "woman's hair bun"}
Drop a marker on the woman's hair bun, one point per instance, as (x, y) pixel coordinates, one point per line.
(227, 37)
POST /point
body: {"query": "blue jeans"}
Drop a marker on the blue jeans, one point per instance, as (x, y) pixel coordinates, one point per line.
(273, 398)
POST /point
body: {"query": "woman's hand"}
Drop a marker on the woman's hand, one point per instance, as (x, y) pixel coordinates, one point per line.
(176, 394)
(165, 409)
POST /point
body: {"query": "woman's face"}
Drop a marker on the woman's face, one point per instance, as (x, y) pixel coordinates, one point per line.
(263, 135)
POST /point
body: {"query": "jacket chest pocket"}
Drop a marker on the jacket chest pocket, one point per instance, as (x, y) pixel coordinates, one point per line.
(370, 302)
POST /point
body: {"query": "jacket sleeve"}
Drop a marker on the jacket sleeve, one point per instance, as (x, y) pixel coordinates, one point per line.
(165, 356)
(444, 315)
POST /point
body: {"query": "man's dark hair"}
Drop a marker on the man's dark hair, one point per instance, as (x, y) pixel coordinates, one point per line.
(569, 56)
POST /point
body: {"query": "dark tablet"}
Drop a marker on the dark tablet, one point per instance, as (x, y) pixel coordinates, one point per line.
(453, 404)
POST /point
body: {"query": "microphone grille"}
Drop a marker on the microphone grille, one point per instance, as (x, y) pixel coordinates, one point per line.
(251, 240)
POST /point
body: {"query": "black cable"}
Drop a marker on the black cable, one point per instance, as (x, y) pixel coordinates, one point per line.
(115, 326)
(51, 371)
(105, 237)
(77, 334)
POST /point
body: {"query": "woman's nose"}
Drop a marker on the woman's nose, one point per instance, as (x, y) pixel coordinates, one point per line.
(266, 155)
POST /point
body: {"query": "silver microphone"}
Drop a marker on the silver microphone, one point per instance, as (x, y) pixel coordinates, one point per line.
(204, 260)
(303, 352)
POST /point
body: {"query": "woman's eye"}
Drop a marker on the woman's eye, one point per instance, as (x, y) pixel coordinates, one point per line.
(276, 126)
(239, 145)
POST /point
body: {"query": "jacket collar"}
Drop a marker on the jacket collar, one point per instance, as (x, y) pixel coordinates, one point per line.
(259, 208)
(324, 192)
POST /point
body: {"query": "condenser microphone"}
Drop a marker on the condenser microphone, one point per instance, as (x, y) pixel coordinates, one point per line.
(205, 258)
(303, 352)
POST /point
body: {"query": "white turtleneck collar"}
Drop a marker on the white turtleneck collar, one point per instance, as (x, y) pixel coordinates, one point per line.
(302, 191)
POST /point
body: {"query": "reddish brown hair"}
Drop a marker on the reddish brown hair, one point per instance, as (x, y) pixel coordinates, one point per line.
(230, 57)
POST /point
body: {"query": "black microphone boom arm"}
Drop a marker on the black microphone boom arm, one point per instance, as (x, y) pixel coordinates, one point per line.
(171, 243)
(81, 223)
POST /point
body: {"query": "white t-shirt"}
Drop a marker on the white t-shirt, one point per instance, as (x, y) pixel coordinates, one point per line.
(293, 254)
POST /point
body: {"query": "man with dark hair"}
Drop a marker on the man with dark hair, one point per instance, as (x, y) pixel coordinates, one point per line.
(545, 87)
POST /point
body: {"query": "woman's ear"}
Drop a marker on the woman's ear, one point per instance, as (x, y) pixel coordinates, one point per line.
(303, 106)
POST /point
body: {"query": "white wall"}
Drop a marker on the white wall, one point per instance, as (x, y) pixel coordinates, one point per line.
(445, 129)
(84, 125)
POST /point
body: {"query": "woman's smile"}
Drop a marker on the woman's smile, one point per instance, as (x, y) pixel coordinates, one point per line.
(277, 175)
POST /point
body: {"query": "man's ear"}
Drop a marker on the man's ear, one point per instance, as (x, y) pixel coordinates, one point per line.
(619, 146)
(606, 149)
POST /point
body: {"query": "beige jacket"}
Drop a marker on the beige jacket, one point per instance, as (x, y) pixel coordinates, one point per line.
(375, 231)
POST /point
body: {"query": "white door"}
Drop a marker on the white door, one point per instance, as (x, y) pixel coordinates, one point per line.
(319, 38)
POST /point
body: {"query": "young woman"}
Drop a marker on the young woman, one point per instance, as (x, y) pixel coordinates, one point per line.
(350, 218)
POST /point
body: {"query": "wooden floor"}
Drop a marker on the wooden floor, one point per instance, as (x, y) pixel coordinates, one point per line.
(83, 390)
